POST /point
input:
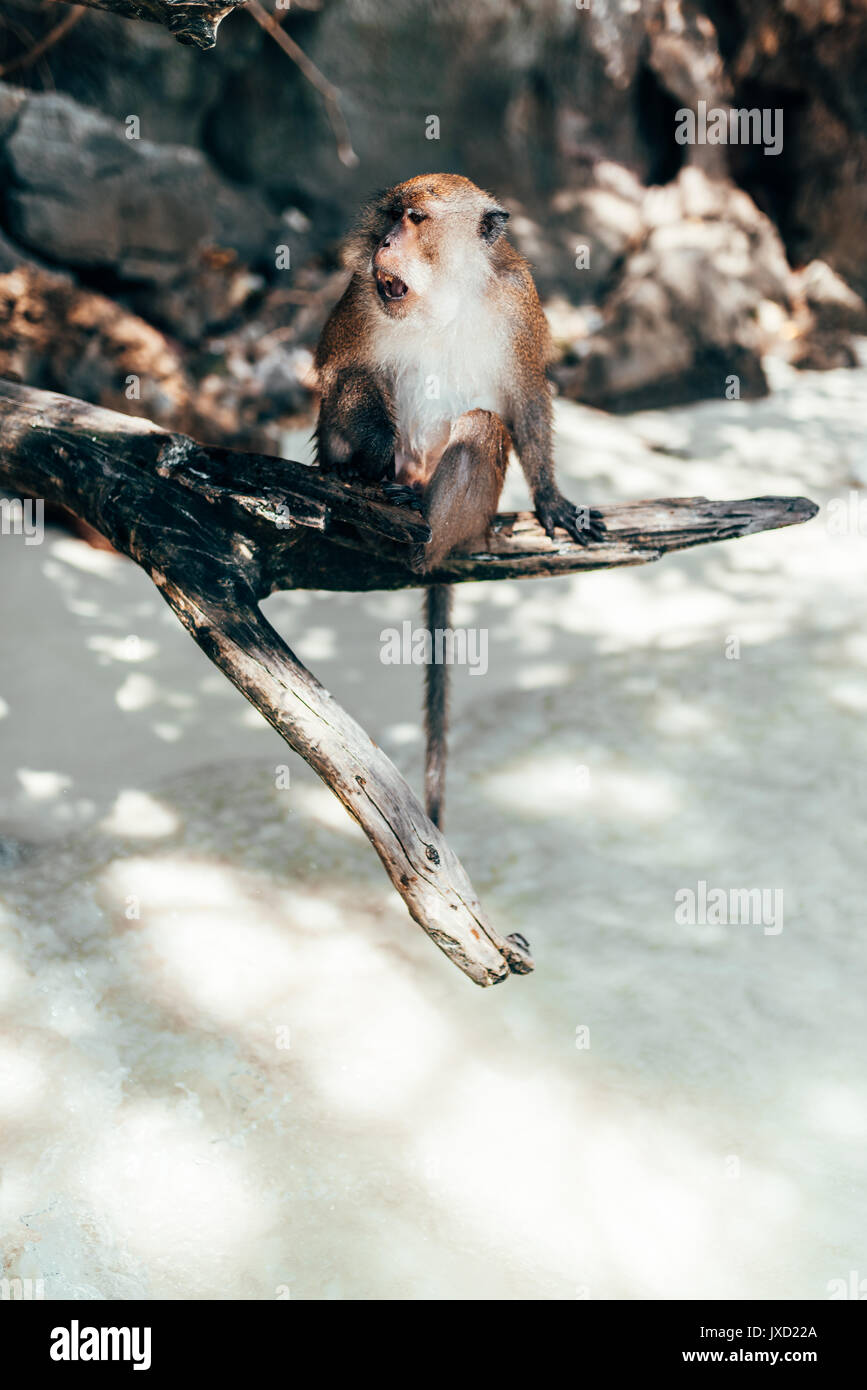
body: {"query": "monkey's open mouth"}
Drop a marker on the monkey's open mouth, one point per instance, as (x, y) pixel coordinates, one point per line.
(389, 287)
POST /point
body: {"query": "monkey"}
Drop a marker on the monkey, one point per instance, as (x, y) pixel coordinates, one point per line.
(431, 369)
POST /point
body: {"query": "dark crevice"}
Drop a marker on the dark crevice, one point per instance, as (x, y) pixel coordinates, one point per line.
(774, 181)
(655, 118)
(731, 29)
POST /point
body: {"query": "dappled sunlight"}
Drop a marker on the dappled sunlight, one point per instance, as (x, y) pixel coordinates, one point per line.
(665, 612)
(321, 805)
(542, 676)
(243, 1066)
(13, 977)
(398, 735)
(137, 692)
(211, 945)
(143, 696)
(172, 1196)
(678, 719)
(360, 1070)
(42, 786)
(836, 1109)
(23, 1078)
(84, 558)
(551, 788)
(640, 1200)
(130, 648)
(850, 696)
(136, 813)
(317, 644)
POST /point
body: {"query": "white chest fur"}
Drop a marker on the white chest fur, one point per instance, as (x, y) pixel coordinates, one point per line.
(438, 371)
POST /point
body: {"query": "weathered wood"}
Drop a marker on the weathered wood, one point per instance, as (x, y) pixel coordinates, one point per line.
(517, 547)
(191, 21)
(217, 531)
(321, 533)
(229, 627)
(133, 482)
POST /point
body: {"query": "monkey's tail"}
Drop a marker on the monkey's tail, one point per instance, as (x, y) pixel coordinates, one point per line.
(438, 609)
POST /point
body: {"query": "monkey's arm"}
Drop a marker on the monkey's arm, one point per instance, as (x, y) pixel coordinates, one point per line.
(530, 426)
(355, 430)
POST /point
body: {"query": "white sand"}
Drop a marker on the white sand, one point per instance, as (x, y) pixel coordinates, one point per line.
(419, 1137)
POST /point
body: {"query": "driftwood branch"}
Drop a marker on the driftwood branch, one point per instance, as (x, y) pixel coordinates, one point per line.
(191, 21)
(218, 531)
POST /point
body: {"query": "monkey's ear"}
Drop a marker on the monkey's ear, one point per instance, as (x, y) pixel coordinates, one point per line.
(493, 224)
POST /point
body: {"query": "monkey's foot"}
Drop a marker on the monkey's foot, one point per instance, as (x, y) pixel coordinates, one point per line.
(402, 496)
(418, 559)
(584, 524)
(520, 941)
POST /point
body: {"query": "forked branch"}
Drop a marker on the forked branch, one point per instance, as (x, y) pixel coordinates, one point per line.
(218, 531)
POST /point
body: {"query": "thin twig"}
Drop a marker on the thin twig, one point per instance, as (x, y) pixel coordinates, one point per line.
(53, 36)
(331, 96)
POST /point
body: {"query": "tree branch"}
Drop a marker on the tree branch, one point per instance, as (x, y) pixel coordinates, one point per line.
(329, 93)
(203, 546)
(191, 21)
(217, 531)
(28, 58)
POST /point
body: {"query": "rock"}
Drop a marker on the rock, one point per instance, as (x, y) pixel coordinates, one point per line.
(834, 306)
(122, 68)
(596, 225)
(476, 71)
(55, 335)
(81, 194)
(567, 114)
(810, 63)
(215, 290)
(11, 255)
(12, 99)
(689, 309)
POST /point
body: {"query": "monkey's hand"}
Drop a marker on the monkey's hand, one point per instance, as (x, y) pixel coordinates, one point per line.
(400, 495)
(368, 464)
(584, 524)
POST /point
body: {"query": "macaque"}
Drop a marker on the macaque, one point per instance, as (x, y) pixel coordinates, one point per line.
(431, 369)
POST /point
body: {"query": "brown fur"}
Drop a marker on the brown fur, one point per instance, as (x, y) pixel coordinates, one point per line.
(431, 266)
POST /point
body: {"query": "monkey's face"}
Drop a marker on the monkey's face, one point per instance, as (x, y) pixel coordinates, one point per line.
(428, 244)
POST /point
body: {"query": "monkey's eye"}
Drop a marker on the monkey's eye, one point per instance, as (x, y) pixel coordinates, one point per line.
(416, 217)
